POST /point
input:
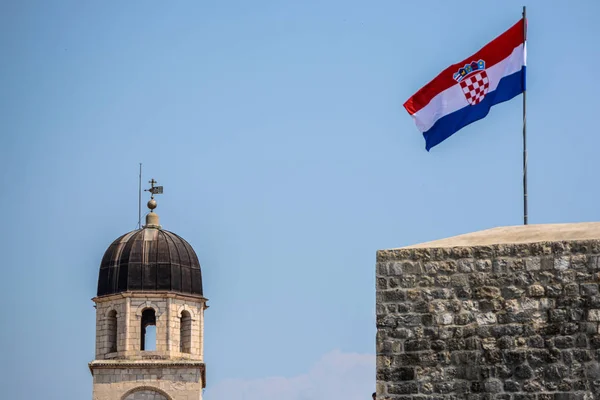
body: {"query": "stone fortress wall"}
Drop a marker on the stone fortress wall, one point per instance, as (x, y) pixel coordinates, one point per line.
(505, 314)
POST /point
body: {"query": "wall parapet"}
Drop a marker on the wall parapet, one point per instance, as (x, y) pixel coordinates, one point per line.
(506, 322)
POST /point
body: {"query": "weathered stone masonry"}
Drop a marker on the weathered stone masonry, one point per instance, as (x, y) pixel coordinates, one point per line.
(504, 322)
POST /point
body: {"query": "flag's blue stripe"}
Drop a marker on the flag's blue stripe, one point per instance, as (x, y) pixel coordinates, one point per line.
(508, 87)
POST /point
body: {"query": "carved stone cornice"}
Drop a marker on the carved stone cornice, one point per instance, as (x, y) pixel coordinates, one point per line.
(158, 294)
(112, 364)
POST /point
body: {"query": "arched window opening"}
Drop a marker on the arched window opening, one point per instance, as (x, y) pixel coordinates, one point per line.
(185, 338)
(148, 330)
(111, 331)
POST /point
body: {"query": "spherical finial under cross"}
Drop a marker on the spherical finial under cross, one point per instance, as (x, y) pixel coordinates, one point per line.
(152, 205)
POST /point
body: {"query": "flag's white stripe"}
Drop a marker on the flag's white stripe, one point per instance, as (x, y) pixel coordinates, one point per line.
(452, 99)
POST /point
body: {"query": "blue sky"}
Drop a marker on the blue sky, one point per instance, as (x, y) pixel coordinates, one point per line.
(278, 132)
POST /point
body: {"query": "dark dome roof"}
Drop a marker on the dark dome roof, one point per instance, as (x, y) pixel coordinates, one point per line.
(150, 259)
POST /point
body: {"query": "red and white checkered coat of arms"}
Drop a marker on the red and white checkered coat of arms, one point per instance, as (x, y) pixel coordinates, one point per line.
(473, 81)
(475, 87)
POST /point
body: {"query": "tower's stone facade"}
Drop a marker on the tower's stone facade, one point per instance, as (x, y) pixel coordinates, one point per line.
(171, 370)
(149, 277)
(505, 314)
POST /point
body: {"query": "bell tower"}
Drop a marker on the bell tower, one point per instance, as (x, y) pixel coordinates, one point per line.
(149, 317)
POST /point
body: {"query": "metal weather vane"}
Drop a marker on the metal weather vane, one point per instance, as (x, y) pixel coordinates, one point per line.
(154, 189)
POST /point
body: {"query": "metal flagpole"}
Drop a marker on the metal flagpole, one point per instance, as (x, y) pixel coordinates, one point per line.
(524, 124)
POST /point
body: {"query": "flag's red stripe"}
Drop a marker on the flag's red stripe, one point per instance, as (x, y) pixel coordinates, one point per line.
(492, 53)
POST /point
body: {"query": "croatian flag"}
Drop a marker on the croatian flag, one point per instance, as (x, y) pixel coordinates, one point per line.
(464, 93)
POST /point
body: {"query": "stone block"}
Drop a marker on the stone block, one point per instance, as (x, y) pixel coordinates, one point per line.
(487, 292)
(536, 291)
(589, 289)
(486, 318)
(593, 315)
(562, 263)
(533, 264)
